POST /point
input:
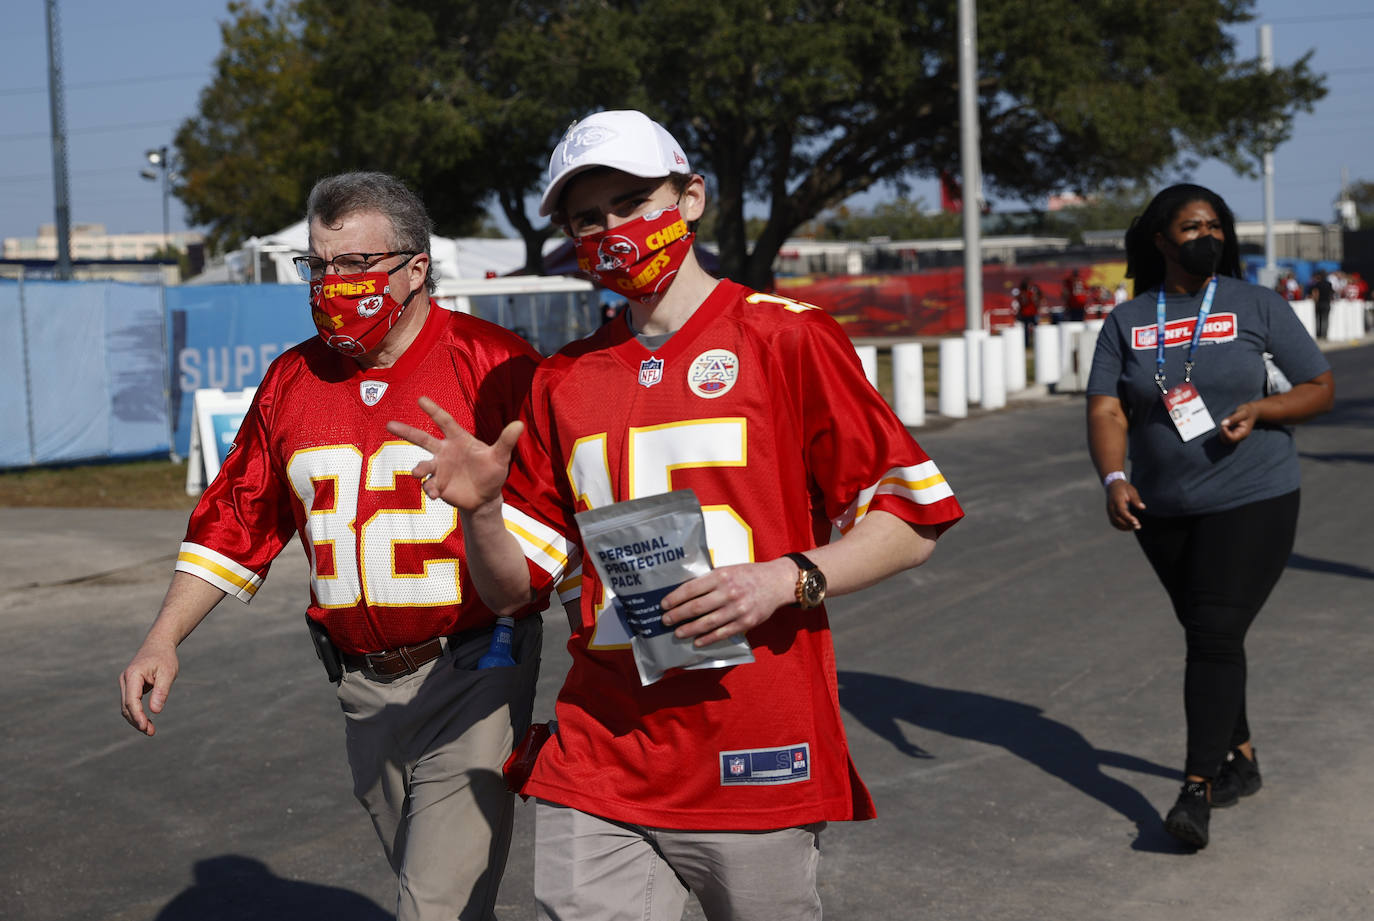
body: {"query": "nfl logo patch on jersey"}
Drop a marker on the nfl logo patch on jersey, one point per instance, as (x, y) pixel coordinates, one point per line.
(371, 391)
(713, 373)
(650, 371)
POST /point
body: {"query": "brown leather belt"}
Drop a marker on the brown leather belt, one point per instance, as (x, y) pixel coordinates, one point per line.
(405, 660)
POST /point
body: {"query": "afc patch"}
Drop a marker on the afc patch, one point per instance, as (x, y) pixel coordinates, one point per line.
(713, 373)
(650, 371)
(765, 766)
(371, 391)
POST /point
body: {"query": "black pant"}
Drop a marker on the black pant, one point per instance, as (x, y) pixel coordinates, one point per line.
(1218, 570)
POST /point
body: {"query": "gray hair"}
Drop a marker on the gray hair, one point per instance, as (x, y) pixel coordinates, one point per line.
(336, 197)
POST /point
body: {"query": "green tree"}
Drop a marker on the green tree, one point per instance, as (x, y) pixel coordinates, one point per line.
(802, 104)
(247, 160)
(794, 104)
(1362, 194)
(460, 100)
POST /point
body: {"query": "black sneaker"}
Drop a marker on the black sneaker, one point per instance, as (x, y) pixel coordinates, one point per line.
(1187, 821)
(1239, 776)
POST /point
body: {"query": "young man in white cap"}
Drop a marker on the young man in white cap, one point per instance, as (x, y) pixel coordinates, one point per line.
(715, 781)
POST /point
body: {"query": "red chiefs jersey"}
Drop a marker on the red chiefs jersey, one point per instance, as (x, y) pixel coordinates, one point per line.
(313, 457)
(760, 406)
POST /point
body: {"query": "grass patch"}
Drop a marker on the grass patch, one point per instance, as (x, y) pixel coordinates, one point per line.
(132, 484)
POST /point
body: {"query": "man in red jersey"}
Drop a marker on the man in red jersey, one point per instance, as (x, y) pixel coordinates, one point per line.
(391, 601)
(715, 781)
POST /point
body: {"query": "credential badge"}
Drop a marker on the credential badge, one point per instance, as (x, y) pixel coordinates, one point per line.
(650, 371)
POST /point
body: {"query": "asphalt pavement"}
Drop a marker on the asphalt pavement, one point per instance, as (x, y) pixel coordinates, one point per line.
(1015, 706)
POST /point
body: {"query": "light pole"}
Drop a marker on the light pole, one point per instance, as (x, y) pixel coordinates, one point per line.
(158, 158)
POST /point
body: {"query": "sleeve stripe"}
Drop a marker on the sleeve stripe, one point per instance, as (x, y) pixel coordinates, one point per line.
(570, 589)
(921, 485)
(542, 545)
(217, 569)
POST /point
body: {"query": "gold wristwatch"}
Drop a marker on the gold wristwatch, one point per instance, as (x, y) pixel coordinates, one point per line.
(810, 582)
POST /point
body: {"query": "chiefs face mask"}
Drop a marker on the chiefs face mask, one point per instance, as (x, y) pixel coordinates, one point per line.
(355, 312)
(639, 258)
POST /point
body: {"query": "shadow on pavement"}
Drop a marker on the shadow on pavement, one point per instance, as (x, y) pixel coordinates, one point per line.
(234, 888)
(880, 702)
(1357, 457)
(1298, 561)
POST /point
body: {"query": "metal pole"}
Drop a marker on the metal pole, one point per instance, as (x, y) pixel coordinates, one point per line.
(1271, 271)
(57, 115)
(166, 236)
(970, 162)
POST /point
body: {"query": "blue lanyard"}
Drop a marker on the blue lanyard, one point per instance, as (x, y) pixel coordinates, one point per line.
(1205, 309)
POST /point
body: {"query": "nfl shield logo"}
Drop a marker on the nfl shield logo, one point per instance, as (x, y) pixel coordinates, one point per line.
(371, 391)
(650, 371)
(736, 766)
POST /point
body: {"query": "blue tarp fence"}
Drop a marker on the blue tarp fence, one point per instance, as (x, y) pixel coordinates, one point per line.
(106, 370)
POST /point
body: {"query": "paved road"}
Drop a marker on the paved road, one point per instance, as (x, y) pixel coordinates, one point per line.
(1015, 707)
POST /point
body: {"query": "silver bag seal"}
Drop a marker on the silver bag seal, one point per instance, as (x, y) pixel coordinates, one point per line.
(642, 550)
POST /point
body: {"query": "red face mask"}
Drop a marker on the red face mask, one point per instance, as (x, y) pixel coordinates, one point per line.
(639, 258)
(355, 312)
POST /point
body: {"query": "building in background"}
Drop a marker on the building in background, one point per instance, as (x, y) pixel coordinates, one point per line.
(90, 242)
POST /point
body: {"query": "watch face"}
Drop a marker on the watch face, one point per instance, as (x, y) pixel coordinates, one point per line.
(813, 588)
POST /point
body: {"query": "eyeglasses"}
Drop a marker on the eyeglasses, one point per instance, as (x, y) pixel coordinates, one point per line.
(311, 268)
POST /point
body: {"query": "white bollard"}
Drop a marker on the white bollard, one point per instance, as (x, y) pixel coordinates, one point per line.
(994, 373)
(1347, 320)
(953, 379)
(1068, 373)
(1014, 358)
(909, 383)
(1307, 316)
(973, 357)
(1046, 346)
(868, 357)
(1086, 344)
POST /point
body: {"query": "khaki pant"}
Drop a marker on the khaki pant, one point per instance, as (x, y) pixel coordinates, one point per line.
(426, 751)
(592, 869)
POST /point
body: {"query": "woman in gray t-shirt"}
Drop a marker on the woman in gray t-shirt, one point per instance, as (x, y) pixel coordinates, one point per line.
(1212, 494)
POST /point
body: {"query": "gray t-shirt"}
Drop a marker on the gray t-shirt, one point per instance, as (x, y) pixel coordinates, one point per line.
(1175, 477)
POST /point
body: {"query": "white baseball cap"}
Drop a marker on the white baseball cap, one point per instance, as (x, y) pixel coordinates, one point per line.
(622, 139)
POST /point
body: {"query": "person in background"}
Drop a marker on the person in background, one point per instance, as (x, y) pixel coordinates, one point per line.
(394, 614)
(1321, 294)
(1075, 294)
(1178, 382)
(1026, 300)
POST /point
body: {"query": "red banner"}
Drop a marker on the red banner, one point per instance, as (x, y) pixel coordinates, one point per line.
(932, 303)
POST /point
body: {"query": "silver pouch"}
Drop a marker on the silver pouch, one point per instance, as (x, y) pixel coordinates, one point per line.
(642, 550)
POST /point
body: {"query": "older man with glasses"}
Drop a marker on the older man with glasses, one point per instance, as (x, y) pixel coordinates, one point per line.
(395, 618)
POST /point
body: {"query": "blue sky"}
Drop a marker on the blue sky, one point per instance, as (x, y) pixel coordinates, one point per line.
(133, 72)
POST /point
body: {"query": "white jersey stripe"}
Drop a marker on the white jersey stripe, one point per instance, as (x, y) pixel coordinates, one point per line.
(219, 570)
(542, 545)
(922, 484)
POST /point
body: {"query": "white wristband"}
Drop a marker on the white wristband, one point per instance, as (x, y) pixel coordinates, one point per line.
(1112, 477)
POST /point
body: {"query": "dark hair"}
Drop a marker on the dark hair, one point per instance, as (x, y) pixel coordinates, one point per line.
(336, 197)
(1144, 261)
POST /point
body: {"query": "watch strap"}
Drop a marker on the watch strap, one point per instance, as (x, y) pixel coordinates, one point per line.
(801, 561)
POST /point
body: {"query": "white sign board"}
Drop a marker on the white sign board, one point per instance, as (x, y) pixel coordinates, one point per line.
(216, 416)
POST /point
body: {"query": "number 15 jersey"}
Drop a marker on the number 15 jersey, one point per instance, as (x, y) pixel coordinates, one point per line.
(759, 405)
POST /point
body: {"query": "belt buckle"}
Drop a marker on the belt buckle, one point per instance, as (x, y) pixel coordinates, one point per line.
(378, 661)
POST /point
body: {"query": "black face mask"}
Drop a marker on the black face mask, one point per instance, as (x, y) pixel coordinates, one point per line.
(1200, 255)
